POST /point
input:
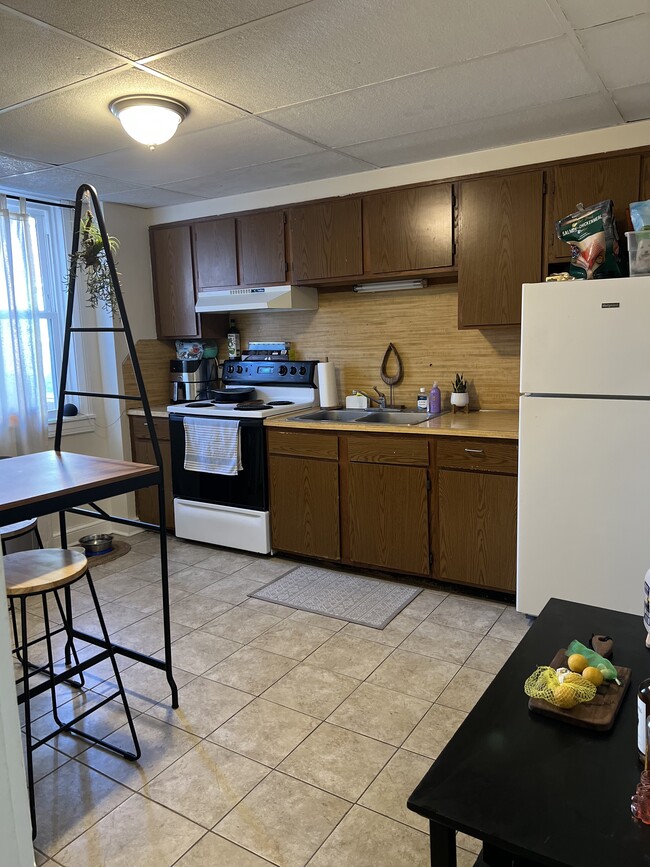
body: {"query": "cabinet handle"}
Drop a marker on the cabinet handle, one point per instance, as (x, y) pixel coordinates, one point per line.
(146, 424)
(474, 451)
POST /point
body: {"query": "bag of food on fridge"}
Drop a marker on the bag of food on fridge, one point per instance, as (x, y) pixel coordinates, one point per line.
(591, 234)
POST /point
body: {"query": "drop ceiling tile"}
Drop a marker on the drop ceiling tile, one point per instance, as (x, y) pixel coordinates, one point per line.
(230, 146)
(620, 52)
(633, 102)
(278, 174)
(141, 28)
(328, 46)
(60, 183)
(590, 13)
(37, 59)
(150, 197)
(15, 166)
(557, 118)
(494, 85)
(76, 123)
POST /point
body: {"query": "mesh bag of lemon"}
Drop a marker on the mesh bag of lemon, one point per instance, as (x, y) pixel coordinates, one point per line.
(568, 687)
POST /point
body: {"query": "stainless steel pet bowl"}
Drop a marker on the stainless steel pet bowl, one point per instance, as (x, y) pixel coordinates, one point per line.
(99, 543)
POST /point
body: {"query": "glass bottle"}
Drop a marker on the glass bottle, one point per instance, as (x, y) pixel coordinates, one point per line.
(643, 713)
(234, 344)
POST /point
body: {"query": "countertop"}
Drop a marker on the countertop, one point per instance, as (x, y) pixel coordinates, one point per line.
(488, 423)
(156, 411)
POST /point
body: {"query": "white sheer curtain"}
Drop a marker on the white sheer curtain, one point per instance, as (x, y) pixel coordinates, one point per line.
(23, 398)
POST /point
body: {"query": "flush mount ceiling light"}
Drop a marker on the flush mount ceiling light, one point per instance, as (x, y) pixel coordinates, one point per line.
(150, 120)
(390, 286)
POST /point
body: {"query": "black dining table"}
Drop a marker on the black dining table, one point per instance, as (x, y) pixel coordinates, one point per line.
(536, 790)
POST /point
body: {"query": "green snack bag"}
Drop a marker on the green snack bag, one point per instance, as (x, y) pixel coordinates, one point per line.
(591, 233)
(603, 665)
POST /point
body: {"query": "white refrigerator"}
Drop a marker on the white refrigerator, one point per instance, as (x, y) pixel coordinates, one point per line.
(583, 529)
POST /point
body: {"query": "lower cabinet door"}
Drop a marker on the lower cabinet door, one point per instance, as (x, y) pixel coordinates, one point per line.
(304, 495)
(146, 499)
(388, 517)
(478, 528)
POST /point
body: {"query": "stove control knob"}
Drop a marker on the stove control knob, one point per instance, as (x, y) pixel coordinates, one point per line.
(293, 371)
(283, 370)
(231, 369)
(240, 369)
(302, 371)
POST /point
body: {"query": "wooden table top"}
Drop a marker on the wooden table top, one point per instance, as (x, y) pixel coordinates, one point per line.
(42, 476)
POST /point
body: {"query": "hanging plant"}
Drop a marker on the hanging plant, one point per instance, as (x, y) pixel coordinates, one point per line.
(90, 261)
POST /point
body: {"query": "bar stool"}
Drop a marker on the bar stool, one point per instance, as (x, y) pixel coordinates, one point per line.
(37, 573)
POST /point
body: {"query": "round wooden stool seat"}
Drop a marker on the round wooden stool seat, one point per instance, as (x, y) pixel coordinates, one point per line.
(21, 528)
(29, 572)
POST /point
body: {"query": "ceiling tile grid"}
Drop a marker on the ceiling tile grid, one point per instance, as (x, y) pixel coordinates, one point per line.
(287, 91)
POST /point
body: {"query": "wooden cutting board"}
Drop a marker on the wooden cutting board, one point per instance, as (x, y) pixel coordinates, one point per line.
(599, 713)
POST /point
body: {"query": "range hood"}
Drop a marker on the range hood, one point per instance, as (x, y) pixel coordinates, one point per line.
(257, 298)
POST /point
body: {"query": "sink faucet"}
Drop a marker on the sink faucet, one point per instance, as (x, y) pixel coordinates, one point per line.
(380, 400)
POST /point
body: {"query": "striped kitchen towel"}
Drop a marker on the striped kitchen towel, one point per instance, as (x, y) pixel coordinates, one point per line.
(212, 445)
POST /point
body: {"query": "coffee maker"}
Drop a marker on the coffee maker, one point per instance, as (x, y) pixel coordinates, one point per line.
(190, 379)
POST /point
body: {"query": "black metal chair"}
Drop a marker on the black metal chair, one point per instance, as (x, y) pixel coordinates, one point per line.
(37, 573)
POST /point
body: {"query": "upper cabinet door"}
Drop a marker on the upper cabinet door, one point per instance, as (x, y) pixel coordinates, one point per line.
(499, 246)
(262, 256)
(326, 240)
(645, 180)
(173, 282)
(407, 230)
(617, 179)
(215, 254)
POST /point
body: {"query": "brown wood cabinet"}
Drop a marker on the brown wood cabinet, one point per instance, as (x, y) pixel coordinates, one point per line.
(408, 230)
(262, 254)
(617, 178)
(215, 254)
(477, 513)
(173, 282)
(146, 499)
(304, 493)
(326, 240)
(499, 246)
(645, 179)
(387, 508)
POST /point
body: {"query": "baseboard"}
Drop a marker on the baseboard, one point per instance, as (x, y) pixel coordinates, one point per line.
(93, 526)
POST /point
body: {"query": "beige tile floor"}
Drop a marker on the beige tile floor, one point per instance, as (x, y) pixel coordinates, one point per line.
(298, 737)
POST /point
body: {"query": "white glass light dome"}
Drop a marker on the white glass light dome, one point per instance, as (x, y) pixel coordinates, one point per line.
(150, 120)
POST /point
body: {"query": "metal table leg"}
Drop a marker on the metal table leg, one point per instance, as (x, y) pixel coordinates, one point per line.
(164, 574)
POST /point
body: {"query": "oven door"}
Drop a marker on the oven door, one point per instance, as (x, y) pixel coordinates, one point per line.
(247, 490)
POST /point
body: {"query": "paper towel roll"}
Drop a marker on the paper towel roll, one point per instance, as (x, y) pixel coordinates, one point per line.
(327, 384)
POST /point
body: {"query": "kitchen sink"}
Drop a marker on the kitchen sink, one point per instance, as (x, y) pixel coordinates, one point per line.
(370, 416)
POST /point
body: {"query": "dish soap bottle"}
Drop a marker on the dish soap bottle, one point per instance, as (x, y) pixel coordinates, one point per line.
(423, 400)
(234, 343)
(434, 398)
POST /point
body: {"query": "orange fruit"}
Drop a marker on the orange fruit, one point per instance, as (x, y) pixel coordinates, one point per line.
(593, 675)
(577, 662)
(564, 696)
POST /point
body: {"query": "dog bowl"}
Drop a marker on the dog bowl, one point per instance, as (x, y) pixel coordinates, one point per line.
(99, 543)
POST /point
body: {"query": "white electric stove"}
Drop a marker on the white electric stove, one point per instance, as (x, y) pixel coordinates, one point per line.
(233, 511)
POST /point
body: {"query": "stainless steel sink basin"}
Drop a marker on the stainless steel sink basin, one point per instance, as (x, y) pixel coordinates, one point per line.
(372, 416)
(397, 417)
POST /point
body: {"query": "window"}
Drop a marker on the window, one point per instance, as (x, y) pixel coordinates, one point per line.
(50, 232)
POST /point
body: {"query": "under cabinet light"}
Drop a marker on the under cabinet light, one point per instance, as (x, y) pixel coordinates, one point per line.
(390, 286)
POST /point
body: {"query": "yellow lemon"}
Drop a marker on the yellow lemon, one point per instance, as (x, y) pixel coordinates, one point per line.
(593, 675)
(573, 677)
(577, 662)
(564, 696)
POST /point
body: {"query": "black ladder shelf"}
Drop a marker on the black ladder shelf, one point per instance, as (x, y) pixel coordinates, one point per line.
(86, 191)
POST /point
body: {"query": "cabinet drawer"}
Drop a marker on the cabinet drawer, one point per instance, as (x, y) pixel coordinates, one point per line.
(303, 443)
(477, 455)
(140, 428)
(409, 451)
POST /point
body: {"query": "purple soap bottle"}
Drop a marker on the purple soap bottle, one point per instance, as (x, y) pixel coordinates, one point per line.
(434, 398)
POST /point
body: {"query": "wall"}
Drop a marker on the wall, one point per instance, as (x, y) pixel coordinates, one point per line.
(355, 330)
